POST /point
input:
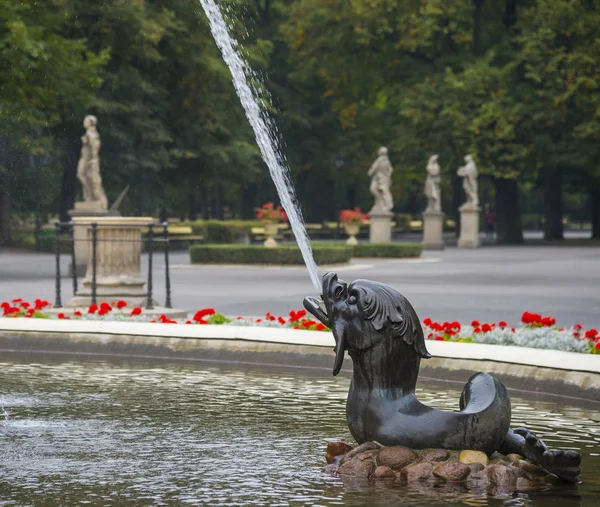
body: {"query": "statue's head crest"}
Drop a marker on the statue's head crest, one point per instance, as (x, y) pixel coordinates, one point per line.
(390, 313)
(383, 151)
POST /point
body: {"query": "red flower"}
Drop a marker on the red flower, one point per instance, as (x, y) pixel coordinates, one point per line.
(502, 323)
(136, 311)
(427, 321)
(591, 334)
(475, 323)
(40, 304)
(17, 300)
(30, 312)
(486, 328)
(281, 320)
(320, 327)
(597, 347)
(104, 308)
(77, 313)
(477, 330)
(577, 326)
(548, 321)
(258, 320)
(121, 304)
(188, 321)
(103, 311)
(531, 318)
(93, 309)
(307, 323)
(25, 304)
(439, 338)
(200, 314)
(61, 316)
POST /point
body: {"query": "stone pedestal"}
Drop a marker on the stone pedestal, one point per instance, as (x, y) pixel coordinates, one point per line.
(469, 227)
(86, 211)
(433, 230)
(118, 253)
(381, 227)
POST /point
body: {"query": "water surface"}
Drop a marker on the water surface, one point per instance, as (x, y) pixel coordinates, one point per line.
(134, 433)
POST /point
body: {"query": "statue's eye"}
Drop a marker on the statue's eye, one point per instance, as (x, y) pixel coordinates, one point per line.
(352, 300)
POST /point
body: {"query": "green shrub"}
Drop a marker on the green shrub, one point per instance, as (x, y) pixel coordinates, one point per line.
(389, 250)
(218, 232)
(403, 221)
(253, 254)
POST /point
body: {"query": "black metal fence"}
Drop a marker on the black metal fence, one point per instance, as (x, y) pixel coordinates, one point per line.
(65, 236)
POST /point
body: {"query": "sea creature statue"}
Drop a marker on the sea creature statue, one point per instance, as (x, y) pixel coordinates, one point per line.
(383, 335)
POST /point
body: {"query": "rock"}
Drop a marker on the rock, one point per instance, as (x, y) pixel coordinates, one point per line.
(383, 472)
(468, 457)
(367, 446)
(336, 449)
(530, 470)
(497, 462)
(452, 471)
(330, 470)
(512, 458)
(496, 455)
(433, 455)
(524, 484)
(357, 468)
(396, 457)
(476, 467)
(415, 472)
(503, 477)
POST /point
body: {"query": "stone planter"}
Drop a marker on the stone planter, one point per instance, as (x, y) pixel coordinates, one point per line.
(352, 230)
(271, 229)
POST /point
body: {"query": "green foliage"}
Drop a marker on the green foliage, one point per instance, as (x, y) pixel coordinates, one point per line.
(218, 318)
(218, 233)
(250, 254)
(388, 250)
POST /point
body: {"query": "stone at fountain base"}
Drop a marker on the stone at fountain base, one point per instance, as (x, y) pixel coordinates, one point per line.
(469, 227)
(432, 468)
(381, 227)
(433, 230)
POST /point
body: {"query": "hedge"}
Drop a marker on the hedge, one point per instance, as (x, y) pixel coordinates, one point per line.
(254, 254)
(389, 250)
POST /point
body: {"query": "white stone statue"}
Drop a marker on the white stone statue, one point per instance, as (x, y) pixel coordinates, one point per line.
(88, 168)
(432, 186)
(469, 174)
(381, 181)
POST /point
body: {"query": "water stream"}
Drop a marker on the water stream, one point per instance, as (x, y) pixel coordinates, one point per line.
(264, 131)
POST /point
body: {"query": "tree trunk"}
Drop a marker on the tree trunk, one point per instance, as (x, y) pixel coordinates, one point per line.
(553, 203)
(68, 189)
(192, 204)
(595, 194)
(5, 208)
(457, 200)
(508, 212)
(477, 44)
(510, 13)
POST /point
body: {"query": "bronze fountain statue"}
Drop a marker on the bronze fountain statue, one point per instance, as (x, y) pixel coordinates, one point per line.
(382, 334)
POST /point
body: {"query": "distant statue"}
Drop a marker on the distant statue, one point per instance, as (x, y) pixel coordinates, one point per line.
(88, 168)
(381, 181)
(469, 174)
(432, 186)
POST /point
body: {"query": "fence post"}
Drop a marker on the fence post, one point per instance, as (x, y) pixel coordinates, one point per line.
(167, 275)
(73, 263)
(94, 257)
(57, 302)
(150, 252)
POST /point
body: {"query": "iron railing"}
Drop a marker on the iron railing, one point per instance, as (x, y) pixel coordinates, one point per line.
(65, 234)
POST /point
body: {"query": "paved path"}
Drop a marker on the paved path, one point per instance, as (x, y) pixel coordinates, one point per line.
(491, 283)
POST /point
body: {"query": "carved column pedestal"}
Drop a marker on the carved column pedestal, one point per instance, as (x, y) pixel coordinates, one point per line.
(469, 227)
(118, 253)
(87, 212)
(381, 227)
(433, 230)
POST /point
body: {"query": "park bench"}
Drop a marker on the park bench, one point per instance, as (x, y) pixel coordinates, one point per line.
(180, 236)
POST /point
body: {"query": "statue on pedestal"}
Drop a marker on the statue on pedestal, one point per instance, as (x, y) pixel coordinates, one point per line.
(88, 168)
(469, 174)
(381, 180)
(432, 186)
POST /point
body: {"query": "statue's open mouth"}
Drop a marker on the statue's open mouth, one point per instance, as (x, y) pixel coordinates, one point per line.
(322, 309)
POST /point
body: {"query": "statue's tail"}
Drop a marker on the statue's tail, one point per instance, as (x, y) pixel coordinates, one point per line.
(485, 411)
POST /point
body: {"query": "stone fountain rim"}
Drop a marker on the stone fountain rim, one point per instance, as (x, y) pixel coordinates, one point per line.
(102, 330)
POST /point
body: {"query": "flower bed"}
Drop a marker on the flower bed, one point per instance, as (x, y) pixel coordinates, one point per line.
(535, 330)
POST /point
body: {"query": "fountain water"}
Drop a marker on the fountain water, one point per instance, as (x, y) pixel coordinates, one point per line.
(3, 412)
(264, 131)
